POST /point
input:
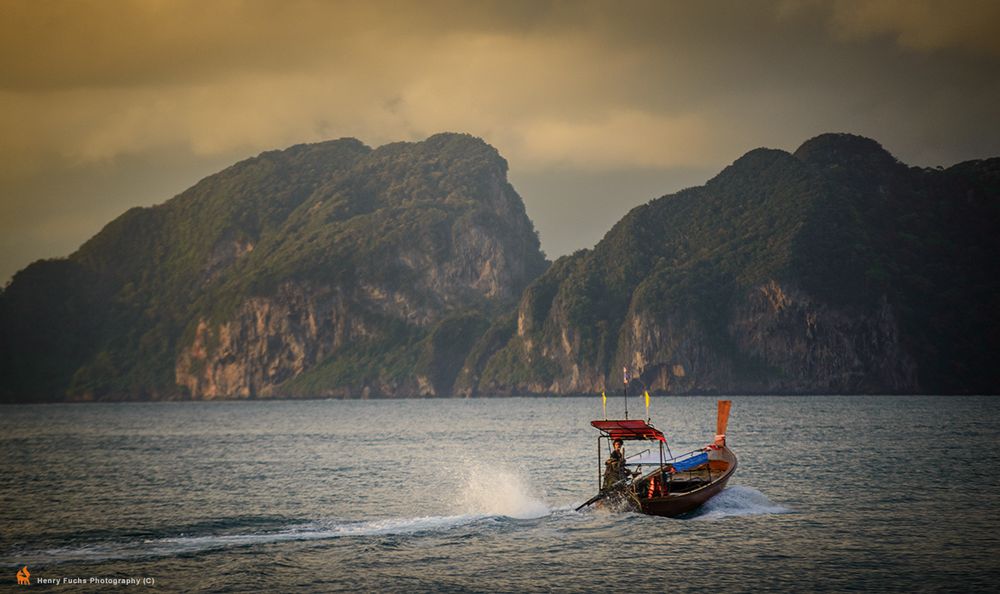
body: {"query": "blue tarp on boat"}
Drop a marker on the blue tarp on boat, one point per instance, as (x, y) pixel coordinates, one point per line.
(692, 462)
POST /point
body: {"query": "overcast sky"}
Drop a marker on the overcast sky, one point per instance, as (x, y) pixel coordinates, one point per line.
(597, 106)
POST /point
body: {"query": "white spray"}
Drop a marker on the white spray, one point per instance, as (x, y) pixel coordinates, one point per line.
(496, 491)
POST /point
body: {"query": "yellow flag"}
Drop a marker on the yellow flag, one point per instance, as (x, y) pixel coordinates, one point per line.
(604, 403)
(646, 392)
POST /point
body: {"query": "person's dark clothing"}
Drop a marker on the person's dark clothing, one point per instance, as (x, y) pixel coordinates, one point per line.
(614, 469)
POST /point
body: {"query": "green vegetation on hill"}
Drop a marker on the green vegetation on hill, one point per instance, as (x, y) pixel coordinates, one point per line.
(840, 220)
(110, 321)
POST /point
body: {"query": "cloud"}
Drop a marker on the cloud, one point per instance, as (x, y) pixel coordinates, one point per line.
(584, 84)
(972, 26)
(92, 43)
(510, 89)
(90, 88)
(620, 138)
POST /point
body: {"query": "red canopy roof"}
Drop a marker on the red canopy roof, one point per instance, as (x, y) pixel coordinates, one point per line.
(629, 429)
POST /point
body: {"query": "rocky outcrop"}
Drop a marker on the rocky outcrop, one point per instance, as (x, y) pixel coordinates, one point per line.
(268, 342)
(778, 340)
(420, 235)
(328, 269)
(816, 347)
(836, 269)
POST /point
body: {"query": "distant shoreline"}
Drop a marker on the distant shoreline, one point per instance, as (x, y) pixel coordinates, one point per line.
(511, 397)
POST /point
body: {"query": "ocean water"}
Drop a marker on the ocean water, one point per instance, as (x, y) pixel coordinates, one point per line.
(832, 494)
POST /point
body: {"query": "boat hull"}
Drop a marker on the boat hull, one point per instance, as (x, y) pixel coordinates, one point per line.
(677, 504)
(681, 504)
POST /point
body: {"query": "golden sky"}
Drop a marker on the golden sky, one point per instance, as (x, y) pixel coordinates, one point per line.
(598, 106)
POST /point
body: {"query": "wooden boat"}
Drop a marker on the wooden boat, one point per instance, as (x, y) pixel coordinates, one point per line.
(676, 485)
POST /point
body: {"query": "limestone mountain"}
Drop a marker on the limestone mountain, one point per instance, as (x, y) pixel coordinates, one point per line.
(323, 269)
(836, 269)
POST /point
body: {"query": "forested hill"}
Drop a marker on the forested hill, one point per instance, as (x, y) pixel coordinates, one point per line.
(323, 269)
(334, 269)
(836, 269)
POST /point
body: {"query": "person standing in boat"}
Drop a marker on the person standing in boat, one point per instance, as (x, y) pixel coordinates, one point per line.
(614, 466)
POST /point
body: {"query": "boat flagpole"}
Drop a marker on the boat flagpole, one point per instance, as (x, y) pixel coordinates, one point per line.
(625, 389)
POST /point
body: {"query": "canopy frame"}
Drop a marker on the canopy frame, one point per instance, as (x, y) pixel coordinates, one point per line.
(626, 429)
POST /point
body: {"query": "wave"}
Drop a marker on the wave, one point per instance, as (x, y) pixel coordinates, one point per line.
(739, 501)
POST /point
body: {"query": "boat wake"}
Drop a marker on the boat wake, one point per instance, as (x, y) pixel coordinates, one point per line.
(183, 544)
(483, 494)
(504, 496)
(738, 501)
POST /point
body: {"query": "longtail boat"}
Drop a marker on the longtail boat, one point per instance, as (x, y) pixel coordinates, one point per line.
(654, 481)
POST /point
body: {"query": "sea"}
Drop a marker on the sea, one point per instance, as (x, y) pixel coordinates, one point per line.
(832, 494)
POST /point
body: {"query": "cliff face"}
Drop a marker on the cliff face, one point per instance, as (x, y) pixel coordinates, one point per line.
(328, 269)
(779, 340)
(413, 241)
(833, 270)
(776, 340)
(269, 341)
